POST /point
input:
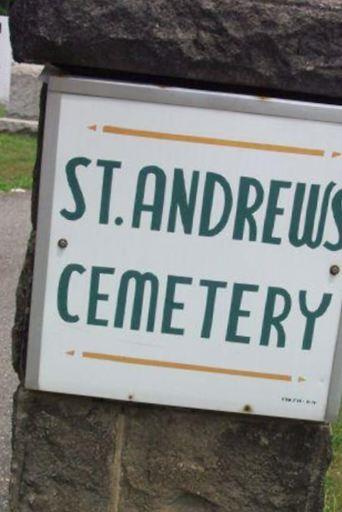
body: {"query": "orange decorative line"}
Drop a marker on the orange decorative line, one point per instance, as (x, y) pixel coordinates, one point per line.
(182, 366)
(293, 150)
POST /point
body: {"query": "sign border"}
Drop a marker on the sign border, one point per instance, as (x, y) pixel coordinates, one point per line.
(46, 189)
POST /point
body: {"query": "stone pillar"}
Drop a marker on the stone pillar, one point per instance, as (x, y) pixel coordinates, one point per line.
(25, 88)
(73, 454)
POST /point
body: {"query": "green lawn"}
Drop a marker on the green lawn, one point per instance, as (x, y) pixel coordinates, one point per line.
(333, 487)
(17, 156)
(2, 111)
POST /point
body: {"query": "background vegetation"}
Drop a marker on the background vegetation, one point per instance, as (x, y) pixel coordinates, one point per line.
(333, 484)
(3, 7)
(17, 155)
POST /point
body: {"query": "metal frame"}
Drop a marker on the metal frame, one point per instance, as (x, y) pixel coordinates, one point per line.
(196, 98)
(47, 180)
(58, 85)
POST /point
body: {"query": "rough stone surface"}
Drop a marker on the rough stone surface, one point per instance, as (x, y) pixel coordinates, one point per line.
(191, 461)
(75, 454)
(294, 45)
(63, 449)
(25, 90)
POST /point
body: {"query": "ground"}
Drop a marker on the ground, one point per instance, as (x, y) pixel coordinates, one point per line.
(14, 230)
(17, 154)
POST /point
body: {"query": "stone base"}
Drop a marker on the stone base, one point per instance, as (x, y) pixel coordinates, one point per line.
(18, 125)
(25, 91)
(75, 454)
(292, 46)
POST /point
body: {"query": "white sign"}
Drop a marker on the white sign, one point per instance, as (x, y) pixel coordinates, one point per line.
(188, 250)
(5, 60)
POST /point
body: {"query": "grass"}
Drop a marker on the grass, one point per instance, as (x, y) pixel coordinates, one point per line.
(17, 156)
(2, 111)
(333, 484)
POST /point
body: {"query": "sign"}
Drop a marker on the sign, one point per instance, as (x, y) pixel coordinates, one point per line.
(5, 60)
(188, 252)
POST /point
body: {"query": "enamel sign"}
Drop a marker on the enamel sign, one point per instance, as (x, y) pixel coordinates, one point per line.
(189, 250)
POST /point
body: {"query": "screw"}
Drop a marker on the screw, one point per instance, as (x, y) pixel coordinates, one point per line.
(62, 243)
(334, 270)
